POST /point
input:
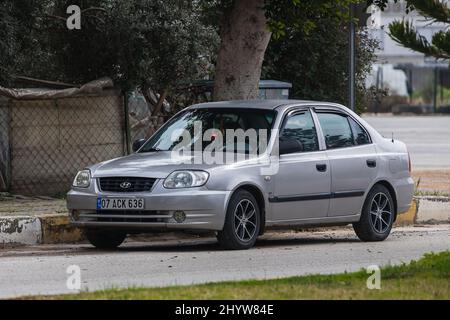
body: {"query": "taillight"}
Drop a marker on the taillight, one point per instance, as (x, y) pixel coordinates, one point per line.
(409, 163)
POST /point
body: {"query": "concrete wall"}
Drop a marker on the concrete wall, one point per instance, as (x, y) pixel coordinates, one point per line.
(52, 139)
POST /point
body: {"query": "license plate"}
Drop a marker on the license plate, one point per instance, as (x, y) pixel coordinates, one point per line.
(120, 203)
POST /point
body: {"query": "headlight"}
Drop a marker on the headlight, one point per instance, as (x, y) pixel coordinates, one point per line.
(82, 179)
(186, 179)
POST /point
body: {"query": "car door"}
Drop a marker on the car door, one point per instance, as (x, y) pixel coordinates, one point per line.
(353, 161)
(302, 184)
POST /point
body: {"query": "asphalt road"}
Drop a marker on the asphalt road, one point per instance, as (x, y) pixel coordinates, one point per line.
(427, 137)
(42, 270)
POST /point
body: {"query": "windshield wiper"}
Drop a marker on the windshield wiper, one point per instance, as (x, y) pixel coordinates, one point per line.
(153, 150)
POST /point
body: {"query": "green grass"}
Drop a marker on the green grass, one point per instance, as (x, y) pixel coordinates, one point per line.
(433, 193)
(427, 278)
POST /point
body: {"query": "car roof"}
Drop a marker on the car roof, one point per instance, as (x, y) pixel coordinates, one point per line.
(256, 104)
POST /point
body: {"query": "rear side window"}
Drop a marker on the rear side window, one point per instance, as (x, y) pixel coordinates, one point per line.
(360, 135)
(300, 127)
(336, 130)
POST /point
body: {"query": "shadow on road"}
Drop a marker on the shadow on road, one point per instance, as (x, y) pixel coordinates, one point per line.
(212, 245)
(174, 246)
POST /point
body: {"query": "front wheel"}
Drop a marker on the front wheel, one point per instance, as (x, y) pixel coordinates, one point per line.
(242, 222)
(377, 216)
(105, 239)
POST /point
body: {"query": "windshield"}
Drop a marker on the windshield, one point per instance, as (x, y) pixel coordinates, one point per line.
(198, 128)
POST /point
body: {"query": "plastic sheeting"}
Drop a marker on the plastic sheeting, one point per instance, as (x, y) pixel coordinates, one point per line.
(95, 86)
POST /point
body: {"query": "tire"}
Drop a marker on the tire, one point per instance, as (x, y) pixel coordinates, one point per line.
(377, 216)
(242, 223)
(105, 239)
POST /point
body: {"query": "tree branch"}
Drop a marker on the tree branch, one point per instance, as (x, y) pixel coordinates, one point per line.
(434, 9)
(55, 17)
(94, 9)
(162, 97)
(145, 89)
(406, 35)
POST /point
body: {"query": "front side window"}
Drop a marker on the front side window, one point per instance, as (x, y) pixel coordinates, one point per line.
(336, 130)
(301, 128)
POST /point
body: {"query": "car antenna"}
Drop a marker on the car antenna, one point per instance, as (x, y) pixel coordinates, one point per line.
(392, 139)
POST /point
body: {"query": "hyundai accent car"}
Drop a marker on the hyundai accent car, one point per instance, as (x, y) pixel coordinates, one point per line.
(320, 165)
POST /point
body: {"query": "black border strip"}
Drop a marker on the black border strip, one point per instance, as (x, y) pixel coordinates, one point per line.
(319, 196)
(274, 309)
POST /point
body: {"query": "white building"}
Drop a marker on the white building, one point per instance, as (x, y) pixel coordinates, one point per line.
(391, 52)
(391, 56)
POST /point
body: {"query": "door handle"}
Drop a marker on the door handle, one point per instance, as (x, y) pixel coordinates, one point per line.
(321, 167)
(371, 163)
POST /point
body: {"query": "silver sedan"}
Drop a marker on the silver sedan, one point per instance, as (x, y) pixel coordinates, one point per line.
(241, 167)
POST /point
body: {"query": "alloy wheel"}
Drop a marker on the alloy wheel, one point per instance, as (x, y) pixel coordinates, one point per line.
(245, 220)
(381, 212)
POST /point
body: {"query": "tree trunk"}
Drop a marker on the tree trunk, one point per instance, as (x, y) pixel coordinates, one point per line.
(244, 38)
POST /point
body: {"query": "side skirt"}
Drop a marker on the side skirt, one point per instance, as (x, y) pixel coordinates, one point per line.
(313, 222)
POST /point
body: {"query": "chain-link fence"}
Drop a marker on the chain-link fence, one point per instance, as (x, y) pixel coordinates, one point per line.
(45, 142)
(141, 122)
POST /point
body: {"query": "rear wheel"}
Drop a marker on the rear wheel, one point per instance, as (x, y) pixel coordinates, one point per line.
(103, 239)
(242, 222)
(377, 216)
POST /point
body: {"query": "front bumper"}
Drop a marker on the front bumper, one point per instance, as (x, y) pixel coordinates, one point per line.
(204, 209)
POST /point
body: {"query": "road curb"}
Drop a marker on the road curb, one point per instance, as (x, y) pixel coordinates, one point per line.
(426, 210)
(20, 230)
(433, 209)
(408, 217)
(57, 229)
(38, 230)
(53, 229)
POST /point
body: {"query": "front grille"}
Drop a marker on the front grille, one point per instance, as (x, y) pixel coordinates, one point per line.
(126, 184)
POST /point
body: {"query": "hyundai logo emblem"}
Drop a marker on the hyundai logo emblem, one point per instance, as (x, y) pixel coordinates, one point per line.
(125, 185)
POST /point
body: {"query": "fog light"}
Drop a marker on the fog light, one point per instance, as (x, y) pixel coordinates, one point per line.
(75, 215)
(179, 216)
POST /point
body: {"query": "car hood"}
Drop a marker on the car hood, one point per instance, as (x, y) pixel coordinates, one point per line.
(151, 164)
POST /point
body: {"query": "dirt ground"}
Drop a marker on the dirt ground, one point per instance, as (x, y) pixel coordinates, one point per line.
(432, 182)
(14, 205)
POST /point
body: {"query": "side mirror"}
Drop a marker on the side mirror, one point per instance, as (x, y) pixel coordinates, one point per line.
(138, 144)
(290, 145)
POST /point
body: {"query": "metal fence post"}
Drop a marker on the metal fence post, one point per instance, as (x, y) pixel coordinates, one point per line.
(127, 122)
(8, 159)
(435, 89)
(352, 58)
